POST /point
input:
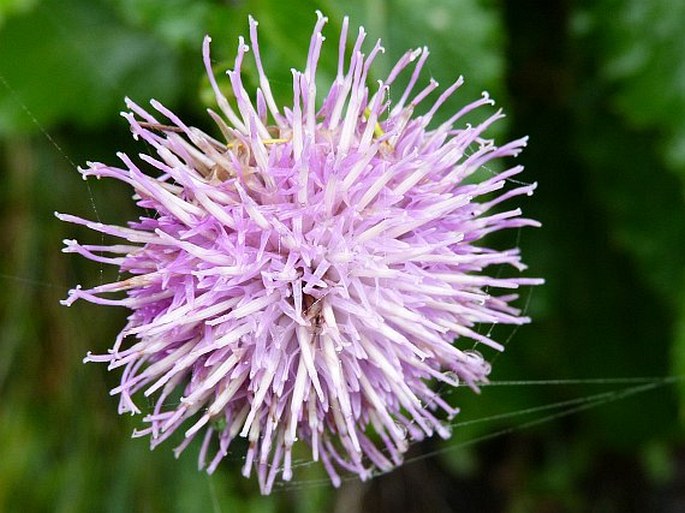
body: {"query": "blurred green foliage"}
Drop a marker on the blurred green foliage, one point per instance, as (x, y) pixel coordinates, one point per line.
(599, 86)
(641, 45)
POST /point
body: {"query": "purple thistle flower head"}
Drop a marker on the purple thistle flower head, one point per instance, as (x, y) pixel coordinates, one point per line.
(309, 274)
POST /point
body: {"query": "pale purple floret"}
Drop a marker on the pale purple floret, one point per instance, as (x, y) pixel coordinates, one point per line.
(306, 276)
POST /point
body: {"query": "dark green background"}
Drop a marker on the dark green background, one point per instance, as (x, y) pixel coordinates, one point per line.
(600, 88)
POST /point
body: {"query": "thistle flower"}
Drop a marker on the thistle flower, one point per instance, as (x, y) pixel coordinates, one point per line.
(311, 274)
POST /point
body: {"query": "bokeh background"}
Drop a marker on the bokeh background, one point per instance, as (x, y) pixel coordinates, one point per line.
(600, 88)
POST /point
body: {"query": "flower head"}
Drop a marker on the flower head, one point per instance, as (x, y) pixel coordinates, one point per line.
(309, 274)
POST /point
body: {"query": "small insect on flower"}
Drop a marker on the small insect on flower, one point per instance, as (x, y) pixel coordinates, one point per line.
(311, 274)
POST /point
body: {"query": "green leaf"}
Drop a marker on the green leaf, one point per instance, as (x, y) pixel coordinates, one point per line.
(74, 61)
(177, 22)
(641, 48)
(10, 7)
